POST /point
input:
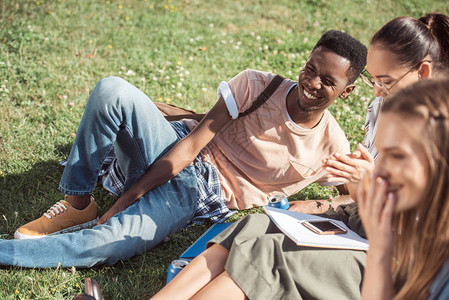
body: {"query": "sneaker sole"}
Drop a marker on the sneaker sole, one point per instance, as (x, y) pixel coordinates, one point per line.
(21, 236)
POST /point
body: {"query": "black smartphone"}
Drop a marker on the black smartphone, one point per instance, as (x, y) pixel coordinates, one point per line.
(324, 227)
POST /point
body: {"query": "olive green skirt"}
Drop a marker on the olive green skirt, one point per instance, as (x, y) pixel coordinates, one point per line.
(266, 264)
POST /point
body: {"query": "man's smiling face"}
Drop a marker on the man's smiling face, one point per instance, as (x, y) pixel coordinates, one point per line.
(322, 80)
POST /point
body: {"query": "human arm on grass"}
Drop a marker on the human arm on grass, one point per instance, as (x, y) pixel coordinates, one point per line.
(319, 206)
(376, 208)
(175, 160)
(349, 168)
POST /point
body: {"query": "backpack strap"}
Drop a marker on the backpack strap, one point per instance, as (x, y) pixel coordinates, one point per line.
(264, 96)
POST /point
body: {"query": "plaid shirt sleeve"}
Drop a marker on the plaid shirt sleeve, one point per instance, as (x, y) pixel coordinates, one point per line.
(210, 203)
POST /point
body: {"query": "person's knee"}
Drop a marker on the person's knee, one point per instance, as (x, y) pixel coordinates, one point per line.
(109, 88)
(108, 95)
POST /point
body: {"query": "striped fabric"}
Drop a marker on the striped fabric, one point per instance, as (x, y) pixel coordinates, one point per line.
(371, 125)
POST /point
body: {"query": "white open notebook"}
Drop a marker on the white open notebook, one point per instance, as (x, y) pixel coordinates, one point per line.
(290, 223)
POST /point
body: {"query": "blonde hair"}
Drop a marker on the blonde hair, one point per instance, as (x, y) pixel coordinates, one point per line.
(421, 235)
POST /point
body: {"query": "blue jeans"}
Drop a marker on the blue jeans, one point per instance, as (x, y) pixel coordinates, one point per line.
(121, 116)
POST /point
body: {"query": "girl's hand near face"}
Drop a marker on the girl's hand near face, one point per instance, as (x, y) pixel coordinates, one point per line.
(349, 168)
(376, 208)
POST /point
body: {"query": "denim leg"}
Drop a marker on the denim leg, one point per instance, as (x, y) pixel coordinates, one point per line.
(143, 225)
(117, 115)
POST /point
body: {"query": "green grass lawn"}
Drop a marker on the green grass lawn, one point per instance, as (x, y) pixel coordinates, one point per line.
(53, 53)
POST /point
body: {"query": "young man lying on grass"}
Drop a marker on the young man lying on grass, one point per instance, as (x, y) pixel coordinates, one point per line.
(182, 172)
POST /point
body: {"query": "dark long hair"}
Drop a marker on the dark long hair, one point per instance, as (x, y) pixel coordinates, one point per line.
(412, 40)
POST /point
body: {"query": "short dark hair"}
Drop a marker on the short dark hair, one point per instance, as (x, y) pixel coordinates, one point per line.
(345, 46)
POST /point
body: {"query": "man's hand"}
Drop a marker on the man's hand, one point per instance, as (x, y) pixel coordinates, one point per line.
(349, 168)
(175, 160)
(120, 205)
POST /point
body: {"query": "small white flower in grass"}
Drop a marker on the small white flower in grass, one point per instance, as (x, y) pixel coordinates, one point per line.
(258, 37)
(179, 95)
(130, 73)
(181, 79)
(211, 25)
(252, 33)
(72, 103)
(73, 270)
(172, 86)
(204, 89)
(190, 58)
(187, 73)
(143, 79)
(179, 84)
(306, 40)
(265, 47)
(16, 214)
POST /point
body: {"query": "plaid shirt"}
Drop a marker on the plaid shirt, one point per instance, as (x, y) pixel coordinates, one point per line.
(210, 203)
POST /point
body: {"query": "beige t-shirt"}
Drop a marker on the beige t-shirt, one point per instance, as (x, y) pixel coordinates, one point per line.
(265, 152)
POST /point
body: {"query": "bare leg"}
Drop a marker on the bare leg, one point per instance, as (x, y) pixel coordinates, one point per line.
(78, 202)
(199, 272)
(222, 287)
